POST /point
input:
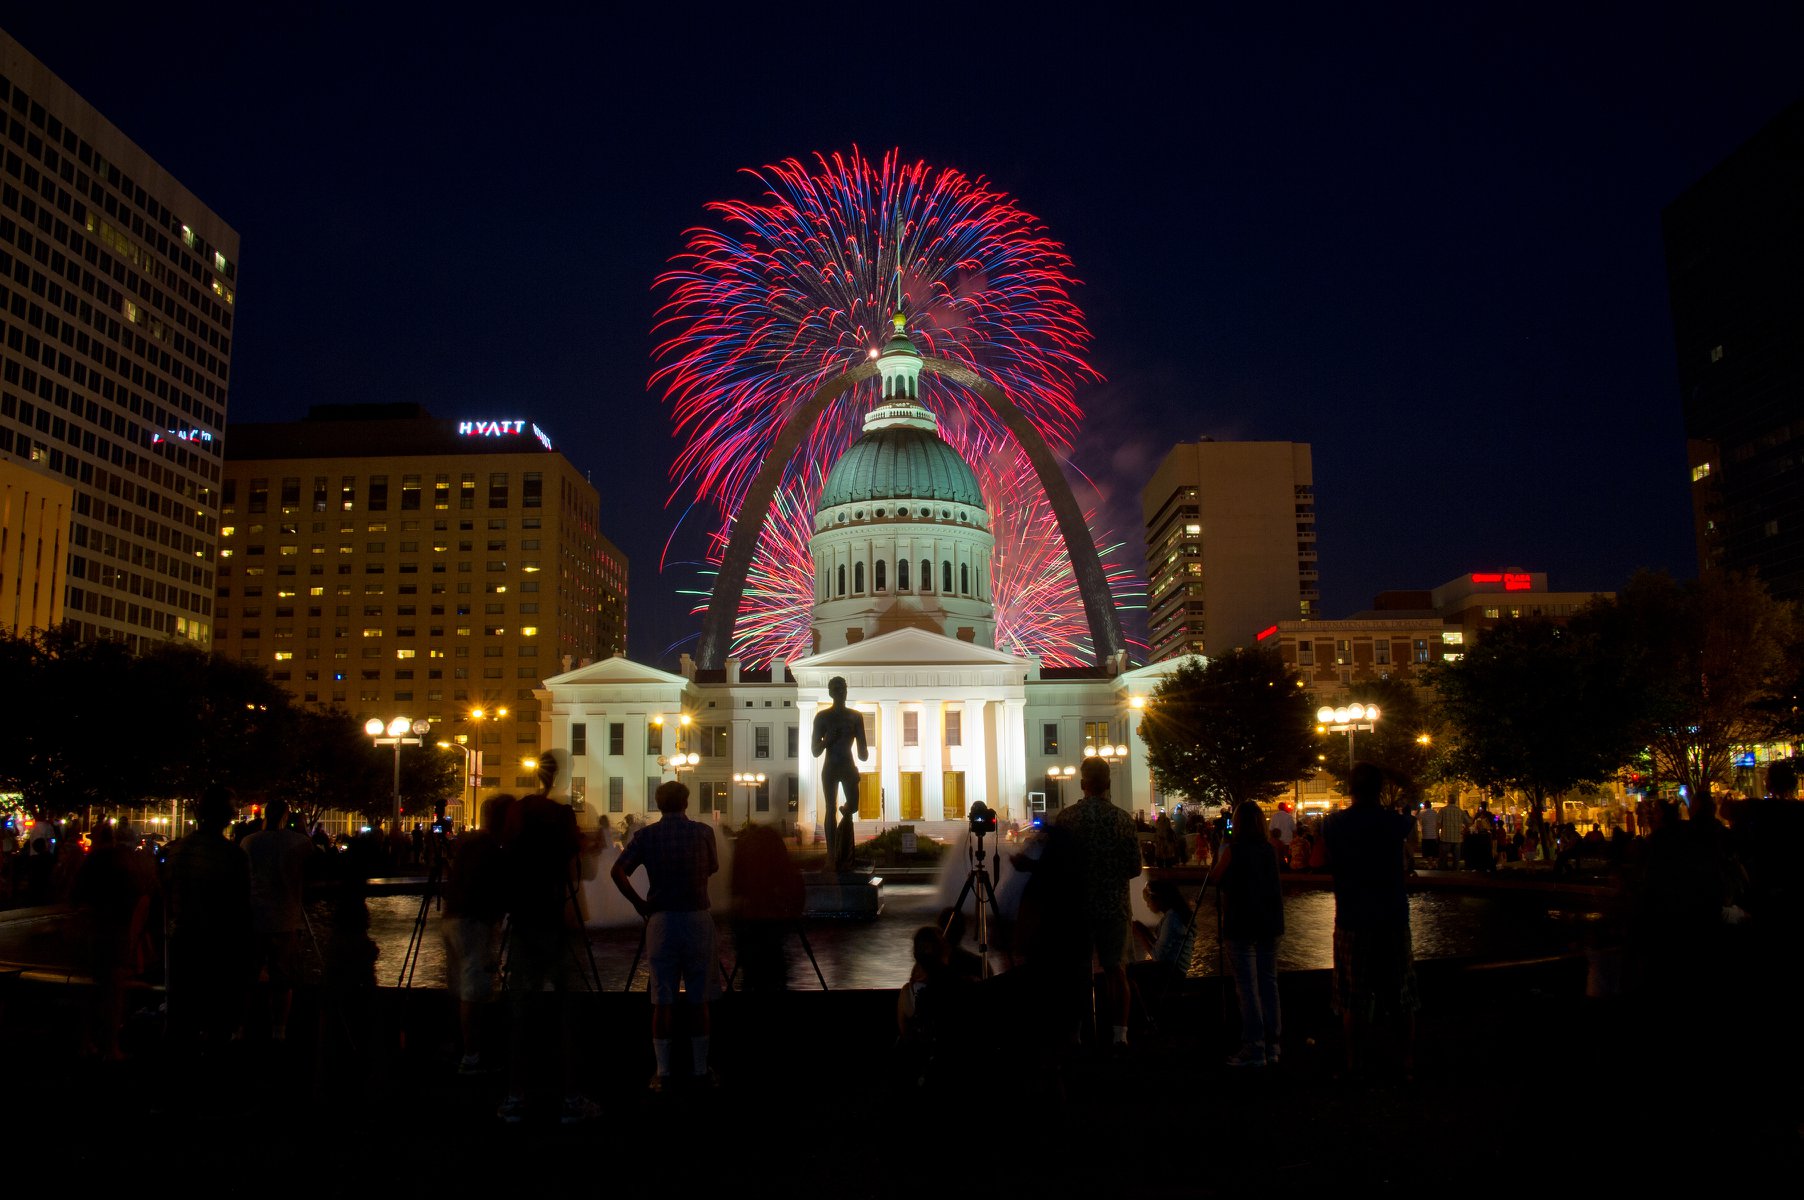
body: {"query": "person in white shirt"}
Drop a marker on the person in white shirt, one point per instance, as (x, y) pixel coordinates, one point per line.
(1429, 827)
(1284, 824)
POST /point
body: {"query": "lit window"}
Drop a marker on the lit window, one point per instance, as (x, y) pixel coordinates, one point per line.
(284, 655)
(1701, 471)
(529, 631)
(404, 654)
(372, 633)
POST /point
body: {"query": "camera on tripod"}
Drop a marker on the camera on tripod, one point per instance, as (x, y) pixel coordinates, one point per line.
(983, 819)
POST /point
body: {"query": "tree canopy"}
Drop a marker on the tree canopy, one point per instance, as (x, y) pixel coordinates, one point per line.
(1710, 665)
(1232, 728)
(1538, 707)
(1407, 742)
(89, 724)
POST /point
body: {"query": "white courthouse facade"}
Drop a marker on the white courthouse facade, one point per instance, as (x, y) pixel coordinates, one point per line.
(902, 611)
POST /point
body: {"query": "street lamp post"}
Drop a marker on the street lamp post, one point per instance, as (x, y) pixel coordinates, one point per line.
(471, 761)
(680, 761)
(396, 735)
(752, 780)
(1055, 779)
(1361, 718)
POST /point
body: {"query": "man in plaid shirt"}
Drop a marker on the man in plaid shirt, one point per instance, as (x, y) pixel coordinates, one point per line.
(678, 856)
(1108, 855)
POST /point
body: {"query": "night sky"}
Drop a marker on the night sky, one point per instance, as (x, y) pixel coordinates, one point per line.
(1427, 243)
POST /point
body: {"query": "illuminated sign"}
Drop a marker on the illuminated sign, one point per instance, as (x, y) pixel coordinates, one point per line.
(502, 429)
(1512, 581)
(182, 435)
(1266, 632)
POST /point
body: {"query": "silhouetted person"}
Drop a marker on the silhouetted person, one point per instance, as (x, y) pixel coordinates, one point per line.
(279, 857)
(546, 939)
(767, 902)
(475, 903)
(114, 891)
(678, 856)
(208, 883)
(1374, 968)
(1107, 856)
(1252, 898)
(838, 731)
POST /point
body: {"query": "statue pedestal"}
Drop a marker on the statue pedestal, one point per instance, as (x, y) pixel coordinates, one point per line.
(845, 894)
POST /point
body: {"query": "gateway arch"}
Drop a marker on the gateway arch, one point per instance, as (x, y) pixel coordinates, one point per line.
(729, 585)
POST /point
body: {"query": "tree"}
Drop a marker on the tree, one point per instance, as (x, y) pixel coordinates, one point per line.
(1712, 665)
(335, 767)
(1407, 742)
(1233, 728)
(1537, 707)
(429, 775)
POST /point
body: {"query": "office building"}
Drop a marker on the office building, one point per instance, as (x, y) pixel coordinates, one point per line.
(1405, 631)
(387, 563)
(1230, 544)
(1734, 256)
(117, 294)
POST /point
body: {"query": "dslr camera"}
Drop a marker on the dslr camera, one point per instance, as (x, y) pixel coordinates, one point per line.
(983, 818)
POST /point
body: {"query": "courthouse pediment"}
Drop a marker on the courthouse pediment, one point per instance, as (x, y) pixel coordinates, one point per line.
(912, 658)
(615, 672)
(908, 647)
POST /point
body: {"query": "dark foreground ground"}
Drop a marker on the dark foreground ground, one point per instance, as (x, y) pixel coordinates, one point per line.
(1523, 1085)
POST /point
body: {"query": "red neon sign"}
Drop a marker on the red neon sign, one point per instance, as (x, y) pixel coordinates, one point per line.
(1492, 578)
(1265, 633)
(1512, 581)
(1517, 583)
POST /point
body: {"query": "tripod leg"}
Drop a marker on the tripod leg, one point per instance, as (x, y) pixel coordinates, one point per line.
(958, 904)
(588, 946)
(637, 955)
(809, 950)
(988, 897)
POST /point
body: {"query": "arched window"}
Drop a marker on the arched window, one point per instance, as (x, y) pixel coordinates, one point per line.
(842, 579)
(901, 574)
(964, 579)
(858, 579)
(881, 573)
(926, 576)
(946, 575)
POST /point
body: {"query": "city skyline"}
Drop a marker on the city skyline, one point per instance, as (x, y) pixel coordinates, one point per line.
(1432, 251)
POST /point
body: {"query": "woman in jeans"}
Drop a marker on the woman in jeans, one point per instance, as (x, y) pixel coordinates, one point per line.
(1252, 921)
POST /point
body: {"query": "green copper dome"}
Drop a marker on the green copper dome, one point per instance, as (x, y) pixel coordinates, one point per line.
(901, 462)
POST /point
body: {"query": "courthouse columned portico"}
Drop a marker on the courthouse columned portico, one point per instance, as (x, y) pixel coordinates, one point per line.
(943, 718)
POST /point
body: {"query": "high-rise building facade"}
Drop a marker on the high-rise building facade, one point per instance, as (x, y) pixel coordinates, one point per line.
(386, 563)
(1734, 256)
(117, 294)
(1230, 544)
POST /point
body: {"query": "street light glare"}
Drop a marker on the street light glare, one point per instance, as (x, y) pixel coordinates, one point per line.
(1325, 715)
(373, 726)
(399, 726)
